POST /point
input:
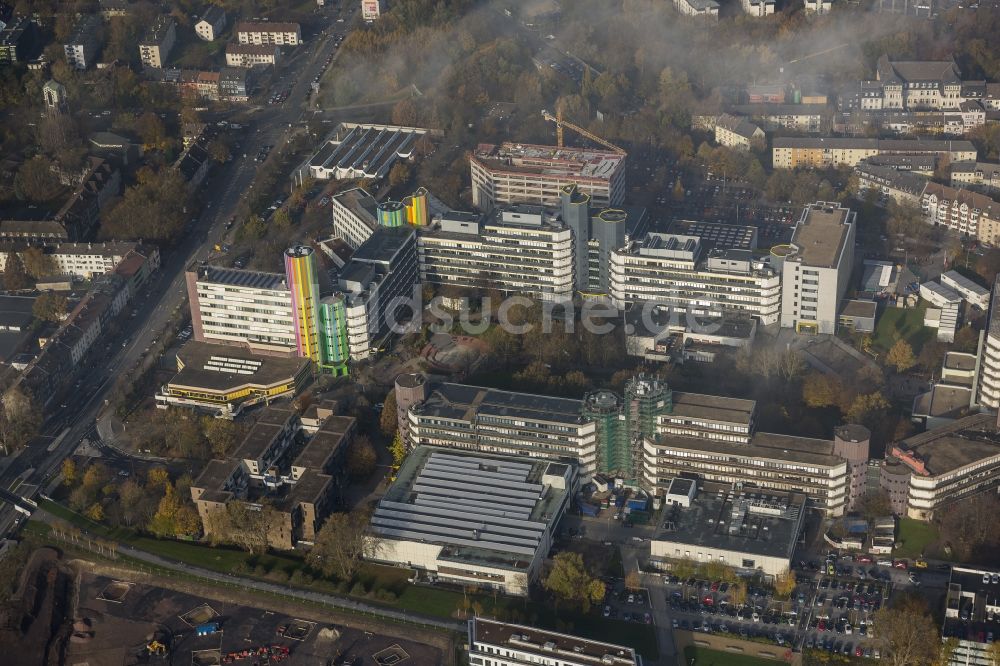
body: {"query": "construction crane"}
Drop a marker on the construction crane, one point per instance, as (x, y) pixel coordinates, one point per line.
(560, 123)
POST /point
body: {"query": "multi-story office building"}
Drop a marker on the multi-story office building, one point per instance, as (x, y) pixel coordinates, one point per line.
(355, 216)
(528, 249)
(211, 24)
(948, 463)
(981, 176)
(493, 643)
(523, 173)
(82, 45)
(989, 355)
(676, 271)
(252, 55)
(646, 437)
(280, 34)
(821, 152)
(303, 288)
(497, 422)
(817, 268)
(155, 47)
(378, 287)
(967, 212)
(242, 307)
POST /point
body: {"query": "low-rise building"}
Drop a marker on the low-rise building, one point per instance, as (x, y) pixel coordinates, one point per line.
(948, 463)
(737, 132)
(858, 315)
(251, 55)
(293, 481)
(83, 43)
(280, 34)
(902, 187)
(747, 529)
(155, 47)
(493, 643)
(758, 8)
(355, 216)
(797, 117)
(223, 380)
(363, 151)
(211, 24)
(969, 290)
(794, 152)
(16, 40)
(472, 519)
(234, 84)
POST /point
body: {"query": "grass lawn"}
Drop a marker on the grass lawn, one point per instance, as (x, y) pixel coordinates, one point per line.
(915, 537)
(705, 657)
(907, 323)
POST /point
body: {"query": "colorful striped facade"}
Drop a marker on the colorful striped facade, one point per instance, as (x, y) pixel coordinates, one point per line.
(391, 214)
(300, 271)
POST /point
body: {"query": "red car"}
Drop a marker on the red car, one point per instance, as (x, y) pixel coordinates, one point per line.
(858, 652)
(864, 559)
(821, 626)
(715, 586)
(900, 564)
(708, 601)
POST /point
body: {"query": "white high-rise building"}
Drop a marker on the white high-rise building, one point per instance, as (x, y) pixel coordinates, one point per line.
(989, 352)
(817, 268)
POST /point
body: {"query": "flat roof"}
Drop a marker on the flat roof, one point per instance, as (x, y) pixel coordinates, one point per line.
(214, 474)
(238, 277)
(887, 145)
(959, 361)
(951, 446)
(751, 521)
(715, 234)
(713, 407)
(763, 445)
(942, 401)
(550, 160)
(463, 403)
(820, 235)
(550, 644)
(384, 244)
(967, 591)
(359, 202)
(858, 308)
(493, 510)
(226, 368)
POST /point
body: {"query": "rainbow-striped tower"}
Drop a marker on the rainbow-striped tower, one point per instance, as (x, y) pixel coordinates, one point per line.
(300, 271)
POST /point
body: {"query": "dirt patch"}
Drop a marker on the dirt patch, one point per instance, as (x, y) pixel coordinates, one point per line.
(37, 622)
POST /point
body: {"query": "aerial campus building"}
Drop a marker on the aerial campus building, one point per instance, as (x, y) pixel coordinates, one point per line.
(356, 214)
(493, 643)
(472, 519)
(362, 151)
(647, 436)
(287, 315)
(523, 173)
(548, 254)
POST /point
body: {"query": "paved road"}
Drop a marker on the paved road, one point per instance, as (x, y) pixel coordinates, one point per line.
(165, 295)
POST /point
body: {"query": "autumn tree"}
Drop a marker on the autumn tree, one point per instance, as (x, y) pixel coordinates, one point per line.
(68, 472)
(20, 419)
(784, 585)
(242, 524)
(36, 182)
(901, 356)
(361, 458)
(152, 209)
(867, 408)
(568, 580)
(973, 538)
(50, 306)
(678, 190)
(37, 263)
(633, 581)
(341, 544)
(875, 504)
(822, 390)
(14, 275)
(222, 435)
(398, 450)
(387, 419)
(174, 517)
(907, 632)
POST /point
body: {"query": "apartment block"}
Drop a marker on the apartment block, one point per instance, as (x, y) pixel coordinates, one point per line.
(737, 132)
(523, 173)
(355, 216)
(493, 643)
(758, 8)
(709, 8)
(979, 176)
(155, 47)
(821, 152)
(902, 187)
(818, 6)
(280, 34)
(964, 211)
(82, 46)
(211, 24)
(798, 117)
(817, 267)
(919, 84)
(16, 40)
(948, 463)
(252, 55)
(371, 10)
